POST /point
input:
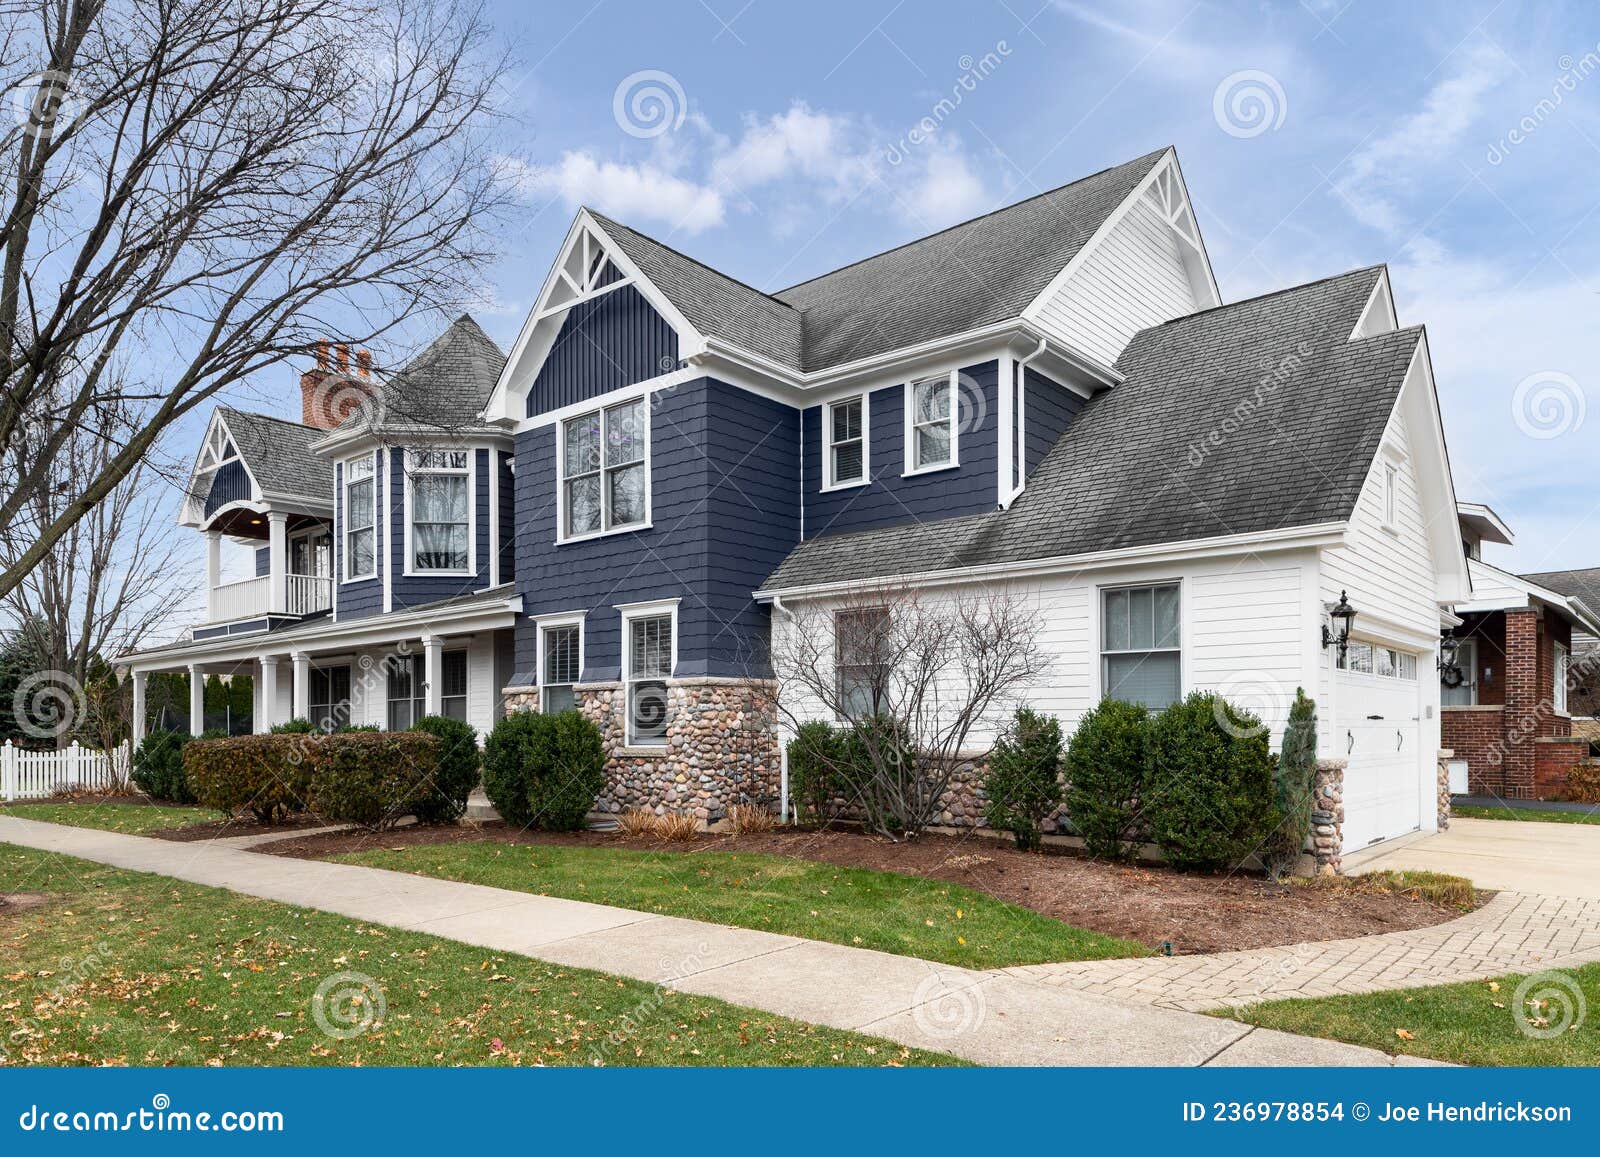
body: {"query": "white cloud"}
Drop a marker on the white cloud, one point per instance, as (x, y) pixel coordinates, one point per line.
(641, 192)
(943, 188)
(818, 147)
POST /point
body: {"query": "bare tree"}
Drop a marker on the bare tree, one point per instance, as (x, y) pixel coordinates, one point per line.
(920, 677)
(201, 188)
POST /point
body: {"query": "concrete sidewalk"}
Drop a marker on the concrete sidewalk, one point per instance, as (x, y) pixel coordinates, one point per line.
(988, 1017)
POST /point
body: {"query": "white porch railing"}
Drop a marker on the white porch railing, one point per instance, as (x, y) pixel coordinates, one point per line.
(309, 593)
(240, 600)
(39, 774)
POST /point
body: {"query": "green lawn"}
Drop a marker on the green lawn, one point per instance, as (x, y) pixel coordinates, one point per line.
(1511, 812)
(128, 968)
(1473, 1023)
(888, 911)
(131, 818)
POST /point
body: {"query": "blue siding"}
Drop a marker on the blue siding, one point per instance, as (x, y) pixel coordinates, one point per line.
(1048, 409)
(604, 344)
(230, 484)
(889, 498)
(724, 512)
(364, 597)
(263, 561)
(508, 517)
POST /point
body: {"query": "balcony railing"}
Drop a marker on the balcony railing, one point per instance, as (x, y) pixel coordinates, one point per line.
(304, 594)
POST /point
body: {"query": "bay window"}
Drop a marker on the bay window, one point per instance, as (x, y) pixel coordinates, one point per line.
(441, 524)
(360, 518)
(1140, 652)
(605, 482)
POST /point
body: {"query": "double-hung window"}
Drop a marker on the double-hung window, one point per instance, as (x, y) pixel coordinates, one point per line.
(1139, 644)
(453, 685)
(407, 692)
(932, 432)
(441, 525)
(605, 482)
(561, 663)
(647, 665)
(847, 441)
(360, 518)
(328, 695)
(861, 664)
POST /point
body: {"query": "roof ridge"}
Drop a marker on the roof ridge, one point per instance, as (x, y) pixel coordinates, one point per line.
(1384, 265)
(266, 417)
(970, 220)
(691, 260)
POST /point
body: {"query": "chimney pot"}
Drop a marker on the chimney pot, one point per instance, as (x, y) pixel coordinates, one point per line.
(329, 393)
(364, 363)
(342, 353)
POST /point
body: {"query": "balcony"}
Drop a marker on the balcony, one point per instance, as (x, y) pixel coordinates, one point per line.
(304, 594)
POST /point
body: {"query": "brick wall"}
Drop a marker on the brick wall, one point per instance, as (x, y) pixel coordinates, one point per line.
(1477, 735)
(1553, 759)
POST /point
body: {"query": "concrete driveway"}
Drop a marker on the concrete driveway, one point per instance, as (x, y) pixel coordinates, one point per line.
(1506, 855)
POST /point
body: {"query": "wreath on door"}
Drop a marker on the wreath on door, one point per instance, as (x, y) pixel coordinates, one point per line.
(1452, 676)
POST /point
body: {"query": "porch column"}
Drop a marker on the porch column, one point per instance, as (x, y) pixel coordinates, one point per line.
(269, 694)
(136, 725)
(1523, 702)
(213, 571)
(278, 561)
(302, 684)
(433, 667)
(197, 699)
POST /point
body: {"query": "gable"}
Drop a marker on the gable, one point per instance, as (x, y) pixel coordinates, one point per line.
(604, 343)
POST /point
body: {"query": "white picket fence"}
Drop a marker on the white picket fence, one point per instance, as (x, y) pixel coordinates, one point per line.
(28, 774)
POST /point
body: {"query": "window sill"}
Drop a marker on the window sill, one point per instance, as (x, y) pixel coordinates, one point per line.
(439, 574)
(943, 466)
(366, 578)
(631, 528)
(832, 486)
(631, 749)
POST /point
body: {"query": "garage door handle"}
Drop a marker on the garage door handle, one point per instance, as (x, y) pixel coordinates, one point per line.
(1399, 739)
(1350, 742)
(1374, 717)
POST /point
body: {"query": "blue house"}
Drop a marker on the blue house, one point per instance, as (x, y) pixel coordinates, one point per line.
(614, 514)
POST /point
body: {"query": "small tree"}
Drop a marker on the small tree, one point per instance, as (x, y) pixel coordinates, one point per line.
(1024, 780)
(913, 673)
(1296, 785)
(1105, 774)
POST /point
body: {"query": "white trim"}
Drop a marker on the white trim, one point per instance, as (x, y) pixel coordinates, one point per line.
(606, 530)
(632, 613)
(1223, 546)
(192, 512)
(543, 623)
(1419, 403)
(409, 567)
(494, 515)
(828, 483)
(908, 433)
(1378, 315)
(1391, 494)
(1492, 529)
(345, 575)
(1005, 430)
(666, 381)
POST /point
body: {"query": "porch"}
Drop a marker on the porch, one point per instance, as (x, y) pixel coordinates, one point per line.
(293, 561)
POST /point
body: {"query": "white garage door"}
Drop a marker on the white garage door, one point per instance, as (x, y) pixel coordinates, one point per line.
(1379, 733)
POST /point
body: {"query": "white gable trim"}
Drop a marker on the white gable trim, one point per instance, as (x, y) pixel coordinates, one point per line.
(209, 460)
(1171, 197)
(1378, 316)
(1418, 405)
(559, 293)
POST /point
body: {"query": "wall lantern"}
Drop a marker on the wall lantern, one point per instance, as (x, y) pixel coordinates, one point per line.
(1342, 615)
(1450, 674)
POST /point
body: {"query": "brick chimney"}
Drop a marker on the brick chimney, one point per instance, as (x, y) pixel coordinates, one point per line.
(330, 393)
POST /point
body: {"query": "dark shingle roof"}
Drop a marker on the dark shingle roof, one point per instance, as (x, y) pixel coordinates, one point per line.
(1583, 585)
(985, 270)
(1297, 410)
(446, 385)
(278, 454)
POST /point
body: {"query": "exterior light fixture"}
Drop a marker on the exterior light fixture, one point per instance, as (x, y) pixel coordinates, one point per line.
(1450, 673)
(1342, 615)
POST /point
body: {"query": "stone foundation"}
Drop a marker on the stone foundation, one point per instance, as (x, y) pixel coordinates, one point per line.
(1327, 817)
(1445, 756)
(721, 749)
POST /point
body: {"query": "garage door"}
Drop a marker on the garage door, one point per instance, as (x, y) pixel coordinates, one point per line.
(1379, 733)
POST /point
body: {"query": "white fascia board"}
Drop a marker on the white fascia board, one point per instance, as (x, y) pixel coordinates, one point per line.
(1223, 546)
(1378, 315)
(1419, 403)
(184, 516)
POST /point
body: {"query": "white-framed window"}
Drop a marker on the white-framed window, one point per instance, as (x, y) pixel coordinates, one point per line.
(1391, 495)
(560, 664)
(360, 518)
(1141, 644)
(1563, 668)
(439, 511)
(328, 697)
(845, 436)
(1465, 694)
(1375, 659)
(931, 423)
(860, 644)
(605, 470)
(453, 685)
(649, 655)
(407, 691)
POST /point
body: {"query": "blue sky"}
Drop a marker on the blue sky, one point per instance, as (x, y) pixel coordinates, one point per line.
(1315, 137)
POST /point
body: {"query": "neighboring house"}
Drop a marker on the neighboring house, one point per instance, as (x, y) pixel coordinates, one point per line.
(1506, 708)
(1051, 394)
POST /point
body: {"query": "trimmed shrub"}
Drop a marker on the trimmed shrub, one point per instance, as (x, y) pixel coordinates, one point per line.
(294, 727)
(1295, 781)
(1208, 792)
(1583, 783)
(1105, 769)
(158, 767)
(371, 778)
(544, 771)
(1024, 780)
(266, 775)
(816, 754)
(445, 801)
(346, 728)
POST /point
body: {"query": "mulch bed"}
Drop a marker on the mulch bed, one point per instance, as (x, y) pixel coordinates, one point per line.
(243, 825)
(1195, 913)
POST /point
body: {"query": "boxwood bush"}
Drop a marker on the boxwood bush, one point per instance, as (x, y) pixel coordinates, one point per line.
(1023, 784)
(158, 767)
(544, 771)
(266, 775)
(816, 754)
(1208, 794)
(371, 778)
(445, 798)
(1105, 769)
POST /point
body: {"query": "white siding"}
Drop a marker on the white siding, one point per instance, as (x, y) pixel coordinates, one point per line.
(1134, 278)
